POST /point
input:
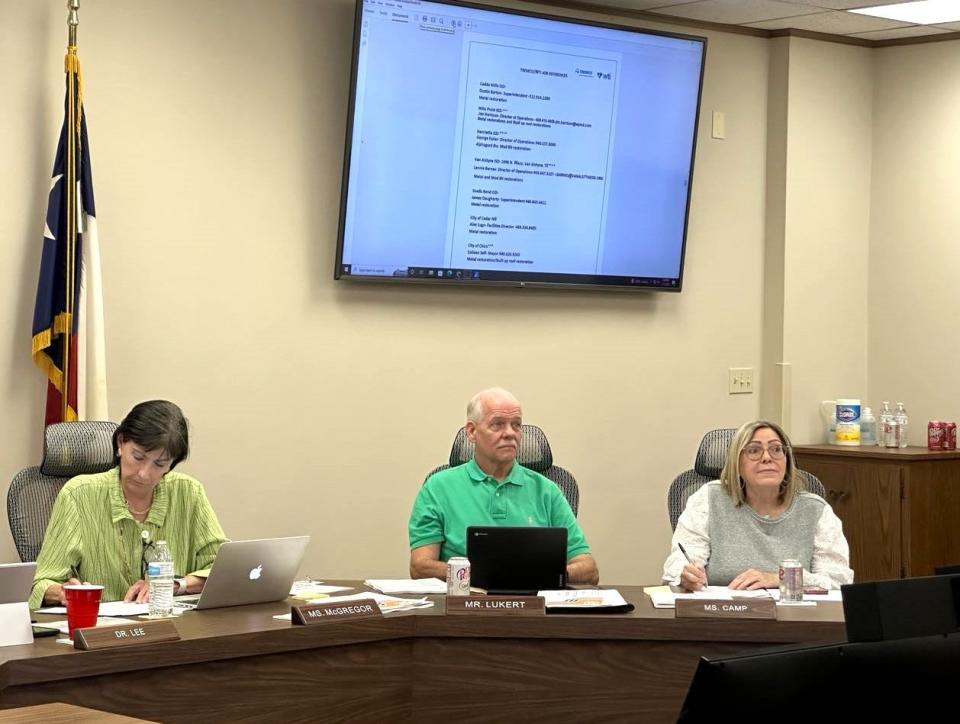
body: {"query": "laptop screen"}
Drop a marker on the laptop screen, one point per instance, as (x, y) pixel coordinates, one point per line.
(517, 560)
(16, 580)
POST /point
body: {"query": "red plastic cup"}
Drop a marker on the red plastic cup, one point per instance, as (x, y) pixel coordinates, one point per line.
(83, 605)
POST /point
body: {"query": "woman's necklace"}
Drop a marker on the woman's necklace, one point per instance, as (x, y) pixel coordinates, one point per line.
(130, 507)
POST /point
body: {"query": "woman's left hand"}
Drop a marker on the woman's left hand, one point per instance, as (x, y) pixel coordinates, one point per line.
(752, 580)
(139, 592)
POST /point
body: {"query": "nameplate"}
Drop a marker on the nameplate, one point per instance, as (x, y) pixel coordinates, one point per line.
(496, 605)
(319, 612)
(128, 634)
(726, 608)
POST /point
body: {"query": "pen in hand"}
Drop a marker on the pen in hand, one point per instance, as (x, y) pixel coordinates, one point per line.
(700, 580)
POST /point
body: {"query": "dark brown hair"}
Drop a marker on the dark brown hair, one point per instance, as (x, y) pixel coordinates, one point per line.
(155, 425)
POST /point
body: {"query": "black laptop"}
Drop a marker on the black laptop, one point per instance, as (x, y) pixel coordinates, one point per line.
(517, 561)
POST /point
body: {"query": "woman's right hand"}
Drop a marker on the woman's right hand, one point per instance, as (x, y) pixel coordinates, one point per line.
(693, 577)
(54, 595)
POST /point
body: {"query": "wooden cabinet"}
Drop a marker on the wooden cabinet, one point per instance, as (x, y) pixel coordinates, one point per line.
(900, 508)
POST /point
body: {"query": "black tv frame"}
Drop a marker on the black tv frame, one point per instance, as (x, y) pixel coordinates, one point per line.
(497, 278)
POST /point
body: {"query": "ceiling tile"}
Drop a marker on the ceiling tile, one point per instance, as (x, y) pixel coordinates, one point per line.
(947, 26)
(910, 31)
(845, 4)
(832, 21)
(735, 12)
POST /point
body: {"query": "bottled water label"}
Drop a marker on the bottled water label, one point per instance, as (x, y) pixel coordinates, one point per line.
(160, 581)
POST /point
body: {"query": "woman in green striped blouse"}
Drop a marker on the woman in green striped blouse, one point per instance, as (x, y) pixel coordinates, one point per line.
(103, 526)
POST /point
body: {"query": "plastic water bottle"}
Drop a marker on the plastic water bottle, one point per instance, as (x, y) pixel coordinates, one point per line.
(887, 430)
(903, 424)
(160, 580)
(868, 427)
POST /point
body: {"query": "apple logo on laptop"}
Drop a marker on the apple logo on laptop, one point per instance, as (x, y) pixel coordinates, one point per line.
(255, 572)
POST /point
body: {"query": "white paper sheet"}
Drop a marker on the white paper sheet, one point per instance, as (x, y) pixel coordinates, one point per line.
(582, 598)
(407, 585)
(108, 608)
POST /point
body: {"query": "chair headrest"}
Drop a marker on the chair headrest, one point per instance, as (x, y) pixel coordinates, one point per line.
(534, 452)
(77, 448)
(712, 453)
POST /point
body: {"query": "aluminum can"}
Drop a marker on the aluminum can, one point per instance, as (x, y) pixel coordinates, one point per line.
(935, 435)
(791, 581)
(458, 577)
(949, 436)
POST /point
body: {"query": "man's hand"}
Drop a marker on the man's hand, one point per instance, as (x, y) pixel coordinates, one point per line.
(583, 569)
(752, 580)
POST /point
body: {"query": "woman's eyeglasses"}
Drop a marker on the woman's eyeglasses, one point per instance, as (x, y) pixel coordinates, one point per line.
(145, 559)
(754, 451)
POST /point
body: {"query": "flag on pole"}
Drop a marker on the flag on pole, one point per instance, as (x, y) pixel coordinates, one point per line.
(68, 341)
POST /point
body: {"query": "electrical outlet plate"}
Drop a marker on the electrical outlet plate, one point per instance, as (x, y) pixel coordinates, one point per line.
(740, 380)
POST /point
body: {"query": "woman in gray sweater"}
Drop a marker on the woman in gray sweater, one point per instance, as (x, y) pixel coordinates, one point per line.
(736, 530)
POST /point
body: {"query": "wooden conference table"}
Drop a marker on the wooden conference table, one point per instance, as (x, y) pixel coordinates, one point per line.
(241, 664)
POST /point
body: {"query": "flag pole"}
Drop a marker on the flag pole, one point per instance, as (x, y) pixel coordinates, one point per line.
(71, 65)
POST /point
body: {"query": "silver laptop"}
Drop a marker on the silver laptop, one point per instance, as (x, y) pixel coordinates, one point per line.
(249, 571)
(16, 580)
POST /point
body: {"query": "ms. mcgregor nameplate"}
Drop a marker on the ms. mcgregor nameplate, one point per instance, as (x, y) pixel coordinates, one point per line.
(319, 612)
(496, 605)
(726, 608)
(131, 634)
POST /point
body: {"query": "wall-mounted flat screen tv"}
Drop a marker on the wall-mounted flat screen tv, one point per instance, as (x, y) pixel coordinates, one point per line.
(500, 147)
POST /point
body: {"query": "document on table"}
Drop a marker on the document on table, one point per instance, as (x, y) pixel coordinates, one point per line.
(61, 626)
(832, 595)
(387, 604)
(109, 608)
(407, 585)
(663, 597)
(310, 588)
(582, 598)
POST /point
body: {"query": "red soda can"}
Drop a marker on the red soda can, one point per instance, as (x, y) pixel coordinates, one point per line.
(935, 430)
(949, 436)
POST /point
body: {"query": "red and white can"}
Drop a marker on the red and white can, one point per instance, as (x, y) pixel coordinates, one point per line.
(949, 436)
(458, 577)
(791, 581)
(935, 435)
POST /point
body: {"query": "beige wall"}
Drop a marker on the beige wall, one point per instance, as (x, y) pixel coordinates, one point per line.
(827, 227)
(217, 135)
(915, 221)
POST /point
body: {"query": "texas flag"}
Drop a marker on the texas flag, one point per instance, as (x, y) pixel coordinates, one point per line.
(69, 309)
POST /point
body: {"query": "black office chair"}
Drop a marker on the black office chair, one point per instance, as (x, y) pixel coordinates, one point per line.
(69, 449)
(534, 453)
(711, 457)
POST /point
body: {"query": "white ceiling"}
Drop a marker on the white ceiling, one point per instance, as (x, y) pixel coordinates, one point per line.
(821, 16)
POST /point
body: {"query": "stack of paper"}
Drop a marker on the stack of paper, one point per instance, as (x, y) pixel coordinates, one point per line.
(62, 627)
(387, 604)
(832, 595)
(663, 597)
(585, 598)
(407, 585)
(108, 608)
(314, 589)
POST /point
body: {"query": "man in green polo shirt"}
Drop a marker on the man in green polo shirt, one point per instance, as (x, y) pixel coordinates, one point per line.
(491, 489)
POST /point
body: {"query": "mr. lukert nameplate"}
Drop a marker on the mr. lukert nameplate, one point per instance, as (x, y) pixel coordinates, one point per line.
(496, 605)
(128, 634)
(319, 612)
(726, 608)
